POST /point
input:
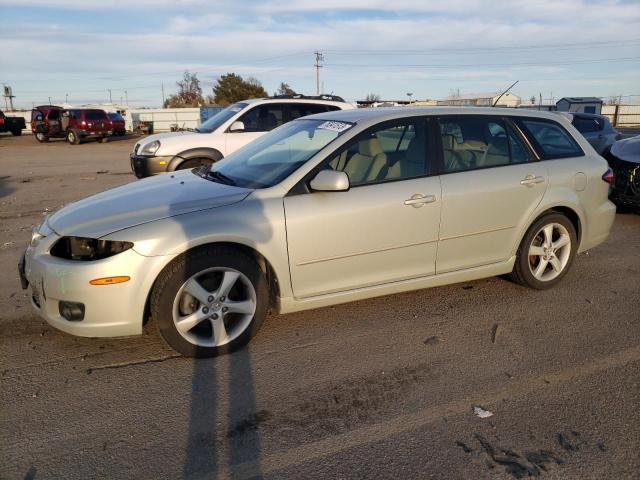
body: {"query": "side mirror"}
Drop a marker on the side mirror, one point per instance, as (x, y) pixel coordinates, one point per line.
(330, 181)
(236, 126)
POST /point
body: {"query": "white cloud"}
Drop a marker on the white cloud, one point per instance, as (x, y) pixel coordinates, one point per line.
(216, 37)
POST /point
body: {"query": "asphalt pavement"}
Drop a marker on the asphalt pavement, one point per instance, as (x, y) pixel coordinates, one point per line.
(382, 388)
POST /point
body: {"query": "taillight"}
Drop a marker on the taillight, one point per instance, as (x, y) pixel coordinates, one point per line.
(83, 123)
(608, 176)
(1, 121)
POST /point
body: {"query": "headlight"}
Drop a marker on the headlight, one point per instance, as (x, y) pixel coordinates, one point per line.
(150, 148)
(87, 249)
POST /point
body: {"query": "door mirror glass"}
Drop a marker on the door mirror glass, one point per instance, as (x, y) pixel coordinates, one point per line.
(236, 126)
(330, 181)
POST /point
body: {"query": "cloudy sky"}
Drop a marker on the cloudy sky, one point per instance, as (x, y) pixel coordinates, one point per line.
(553, 47)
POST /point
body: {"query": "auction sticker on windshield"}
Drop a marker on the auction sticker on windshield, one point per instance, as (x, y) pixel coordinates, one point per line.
(335, 126)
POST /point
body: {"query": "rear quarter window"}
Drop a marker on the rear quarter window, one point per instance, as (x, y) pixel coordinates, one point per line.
(94, 115)
(550, 139)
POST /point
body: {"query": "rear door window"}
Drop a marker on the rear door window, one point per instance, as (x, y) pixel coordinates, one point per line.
(297, 110)
(551, 139)
(471, 142)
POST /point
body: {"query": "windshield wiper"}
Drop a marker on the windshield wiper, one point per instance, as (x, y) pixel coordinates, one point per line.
(221, 177)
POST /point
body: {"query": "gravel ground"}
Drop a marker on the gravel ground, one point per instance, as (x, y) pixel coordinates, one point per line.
(382, 388)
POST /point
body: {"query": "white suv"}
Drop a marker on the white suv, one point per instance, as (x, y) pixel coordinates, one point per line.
(225, 132)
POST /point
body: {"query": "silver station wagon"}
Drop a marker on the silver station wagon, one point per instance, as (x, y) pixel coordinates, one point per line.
(326, 209)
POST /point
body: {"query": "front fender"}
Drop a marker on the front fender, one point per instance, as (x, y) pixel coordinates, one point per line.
(257, 223)
(200, 152)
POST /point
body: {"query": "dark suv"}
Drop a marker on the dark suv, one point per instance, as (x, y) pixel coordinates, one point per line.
(74, 124)
(597, 130)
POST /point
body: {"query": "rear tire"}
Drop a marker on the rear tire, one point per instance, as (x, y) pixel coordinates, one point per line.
(41, 137)
(16, 133)
(72, 137)
(210, 301)
(103, 139)
(546, 252)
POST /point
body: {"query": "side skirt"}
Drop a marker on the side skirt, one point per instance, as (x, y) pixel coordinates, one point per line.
(291, 304)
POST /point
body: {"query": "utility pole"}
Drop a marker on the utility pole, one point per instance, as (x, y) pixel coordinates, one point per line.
(49, 100)
(162, 85)
(318, 65)
(409, 94)
(110, 100)
(126, 96)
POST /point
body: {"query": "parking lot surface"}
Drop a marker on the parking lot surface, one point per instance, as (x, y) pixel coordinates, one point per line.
(383, 388)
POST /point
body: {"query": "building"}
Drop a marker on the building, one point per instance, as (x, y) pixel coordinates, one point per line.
(580, 104)
(482, 100)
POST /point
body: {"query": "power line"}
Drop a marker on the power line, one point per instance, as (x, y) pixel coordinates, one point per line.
(557, 46)
(481, 64)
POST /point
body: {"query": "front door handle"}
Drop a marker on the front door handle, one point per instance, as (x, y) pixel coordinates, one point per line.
(531, 180)
(418, 199)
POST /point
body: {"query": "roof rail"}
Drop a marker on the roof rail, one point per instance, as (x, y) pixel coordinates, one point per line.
(333, 98)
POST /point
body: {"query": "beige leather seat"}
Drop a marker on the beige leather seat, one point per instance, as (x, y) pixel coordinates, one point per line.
(413, 162)
(366, 165)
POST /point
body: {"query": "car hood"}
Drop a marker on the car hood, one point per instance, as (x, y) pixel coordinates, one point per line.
(173, 143)
(627, 149)
(142, 201)
(163, 136)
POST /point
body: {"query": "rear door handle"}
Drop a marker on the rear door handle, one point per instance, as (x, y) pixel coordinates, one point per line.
(531, 180)
(418, 199)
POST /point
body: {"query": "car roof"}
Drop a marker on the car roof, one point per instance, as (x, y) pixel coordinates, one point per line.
(295, 100)
(380, 114)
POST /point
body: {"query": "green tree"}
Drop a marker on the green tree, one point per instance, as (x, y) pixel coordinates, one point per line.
(285, 89)
(189, 93)
(232, 88)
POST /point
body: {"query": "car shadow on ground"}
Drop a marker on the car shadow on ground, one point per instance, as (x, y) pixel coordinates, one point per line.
(224, 418)
(207, 435)
(5, 189)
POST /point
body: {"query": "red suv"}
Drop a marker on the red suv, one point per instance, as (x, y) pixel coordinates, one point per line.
(74, 124)
(117, 123)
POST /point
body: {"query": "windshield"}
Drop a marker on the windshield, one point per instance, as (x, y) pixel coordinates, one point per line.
(219, 118)
(276, 155)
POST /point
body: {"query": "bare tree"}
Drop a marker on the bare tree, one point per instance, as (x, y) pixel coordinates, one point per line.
(372, 97)
(189, 92)
(285, 89)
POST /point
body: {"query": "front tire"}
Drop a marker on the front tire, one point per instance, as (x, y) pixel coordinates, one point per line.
(16, 133)
(194, 163)
(103, 139)
(546, 252)
(41, 137)
(210, 301)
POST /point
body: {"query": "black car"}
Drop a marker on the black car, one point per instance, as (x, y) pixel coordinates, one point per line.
(15, 125)
(624, 160)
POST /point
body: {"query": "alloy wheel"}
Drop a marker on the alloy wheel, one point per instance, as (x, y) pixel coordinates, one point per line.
(549, 252)
(214, 307)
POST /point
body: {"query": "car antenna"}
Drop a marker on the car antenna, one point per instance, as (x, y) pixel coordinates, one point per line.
(512, 85)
